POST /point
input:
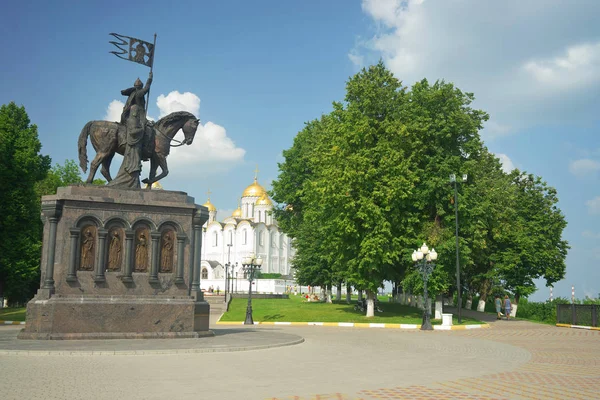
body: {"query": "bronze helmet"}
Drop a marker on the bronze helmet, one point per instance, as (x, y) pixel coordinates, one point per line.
(138, 83)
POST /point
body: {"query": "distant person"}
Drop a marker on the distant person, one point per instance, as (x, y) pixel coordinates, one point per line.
(498, 303)
(507, 307)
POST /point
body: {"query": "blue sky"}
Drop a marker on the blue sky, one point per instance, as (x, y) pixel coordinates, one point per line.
(255, 72)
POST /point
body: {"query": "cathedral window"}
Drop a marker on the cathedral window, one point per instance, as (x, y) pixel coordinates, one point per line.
(216, 239)
(259, 216)
(245, 236)
(204, 273)
(261, 238)
(230, 237)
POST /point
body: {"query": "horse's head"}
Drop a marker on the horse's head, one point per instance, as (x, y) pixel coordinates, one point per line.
(189, 130)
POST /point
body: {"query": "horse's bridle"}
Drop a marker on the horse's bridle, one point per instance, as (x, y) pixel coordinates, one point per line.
(168, 138)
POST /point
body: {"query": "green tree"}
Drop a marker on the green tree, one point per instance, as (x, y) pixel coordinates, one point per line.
(535, 248)
(21, 168)
(59, 175)
(364, 185)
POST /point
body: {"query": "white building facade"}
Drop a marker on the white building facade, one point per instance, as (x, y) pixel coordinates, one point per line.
(251, 228)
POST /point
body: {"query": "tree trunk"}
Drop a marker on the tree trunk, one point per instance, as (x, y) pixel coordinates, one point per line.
(483, 292)
(360, 295)
(338, 295)
(370, 304)
(348, 294)
(469, 302)
(328, 291)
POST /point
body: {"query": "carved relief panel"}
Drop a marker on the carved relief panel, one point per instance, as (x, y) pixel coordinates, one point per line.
(142, 250)
(88, 248)
(115, 249)
(167, 247)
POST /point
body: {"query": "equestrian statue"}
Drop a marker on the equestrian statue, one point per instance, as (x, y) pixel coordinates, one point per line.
(136, 139)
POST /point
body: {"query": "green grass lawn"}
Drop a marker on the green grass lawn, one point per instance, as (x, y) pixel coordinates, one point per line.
(297, 309)
(12, 314)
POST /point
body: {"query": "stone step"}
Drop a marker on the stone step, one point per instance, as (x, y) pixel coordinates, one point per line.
(214, 299)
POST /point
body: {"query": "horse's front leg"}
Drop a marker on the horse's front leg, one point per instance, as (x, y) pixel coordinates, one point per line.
(154, 164)
(157, 161)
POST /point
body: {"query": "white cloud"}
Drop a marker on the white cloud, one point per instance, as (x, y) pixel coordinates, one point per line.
(507, 164)
(113, 111)
(356, 59)
(176, 101)
(212, 151)
(584, 167)
(580, 65)
(593, 205)
(525, 67)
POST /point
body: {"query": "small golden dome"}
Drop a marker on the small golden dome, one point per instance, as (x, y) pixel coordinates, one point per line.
(254, 190)
(237, 213)
(209, 205)
(264, 201)
(155, 185)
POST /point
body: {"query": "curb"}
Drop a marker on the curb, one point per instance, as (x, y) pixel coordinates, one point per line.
(361, 325)
(12, 322)
(592, 328)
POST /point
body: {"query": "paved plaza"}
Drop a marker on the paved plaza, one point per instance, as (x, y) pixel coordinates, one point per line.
(510, 360)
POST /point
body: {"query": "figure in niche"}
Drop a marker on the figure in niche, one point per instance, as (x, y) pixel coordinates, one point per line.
(87, 250)
(141, 254)
(114, 252)
(166, 260)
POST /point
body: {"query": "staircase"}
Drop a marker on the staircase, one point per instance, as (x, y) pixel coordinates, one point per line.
(217, 304)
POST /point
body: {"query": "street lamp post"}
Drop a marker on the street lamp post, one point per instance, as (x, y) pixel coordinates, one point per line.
(232, 277)
(250, 265)
(227, 266)
(424, 260)
(458, 298)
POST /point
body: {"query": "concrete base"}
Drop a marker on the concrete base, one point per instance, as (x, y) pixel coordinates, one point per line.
(446, 319)
(112, 317)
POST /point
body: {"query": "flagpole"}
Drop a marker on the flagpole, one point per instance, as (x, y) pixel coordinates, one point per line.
(151, 67)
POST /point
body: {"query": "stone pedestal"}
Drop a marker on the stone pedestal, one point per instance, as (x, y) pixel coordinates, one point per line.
(119, 263)
(446, 319)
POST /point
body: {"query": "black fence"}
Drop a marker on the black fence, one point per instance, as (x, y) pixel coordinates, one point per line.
(577, 314)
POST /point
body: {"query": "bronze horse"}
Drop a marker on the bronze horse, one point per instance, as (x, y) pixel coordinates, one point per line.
(109, 138)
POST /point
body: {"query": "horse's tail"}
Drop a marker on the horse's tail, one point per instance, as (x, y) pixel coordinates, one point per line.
(82, 146)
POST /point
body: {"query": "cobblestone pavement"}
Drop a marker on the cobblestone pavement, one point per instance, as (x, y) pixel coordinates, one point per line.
(511, 360)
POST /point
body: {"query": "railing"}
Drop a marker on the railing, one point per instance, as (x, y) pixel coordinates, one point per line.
(577, 314)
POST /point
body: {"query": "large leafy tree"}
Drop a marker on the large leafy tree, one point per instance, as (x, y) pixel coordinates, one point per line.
(365, 184)
(21, 168)
(535, 248)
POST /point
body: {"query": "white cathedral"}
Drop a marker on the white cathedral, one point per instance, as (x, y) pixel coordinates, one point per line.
(250, 229)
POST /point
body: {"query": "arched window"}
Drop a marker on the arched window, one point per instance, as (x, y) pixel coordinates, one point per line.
(245, 236)
(259, 216)
(204, 273)
(216, 239)
(230, 237)
(261, 238)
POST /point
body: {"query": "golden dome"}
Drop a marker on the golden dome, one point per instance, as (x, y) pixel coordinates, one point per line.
(237, 213)
(155, 185)
(209, 205)
(264, 201)
(254, 190)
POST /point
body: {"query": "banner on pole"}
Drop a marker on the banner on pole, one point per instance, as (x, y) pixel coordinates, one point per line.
(133, 49)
